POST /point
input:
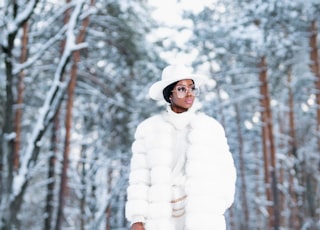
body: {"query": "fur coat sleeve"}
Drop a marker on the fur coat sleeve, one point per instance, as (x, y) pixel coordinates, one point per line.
(211, 175)
(149, 190)
(139, 181)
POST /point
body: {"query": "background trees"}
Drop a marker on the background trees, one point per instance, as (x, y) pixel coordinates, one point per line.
(265, 58)
(74, 77)
(70, 71)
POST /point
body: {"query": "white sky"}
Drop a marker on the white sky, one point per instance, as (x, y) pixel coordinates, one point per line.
(169, 12)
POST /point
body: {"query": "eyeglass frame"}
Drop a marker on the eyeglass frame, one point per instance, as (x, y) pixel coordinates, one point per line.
(194, 91)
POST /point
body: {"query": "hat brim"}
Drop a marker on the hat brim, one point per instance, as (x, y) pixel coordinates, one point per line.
(156, 89)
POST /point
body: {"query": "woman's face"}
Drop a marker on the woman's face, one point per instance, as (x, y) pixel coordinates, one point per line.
(182, 96)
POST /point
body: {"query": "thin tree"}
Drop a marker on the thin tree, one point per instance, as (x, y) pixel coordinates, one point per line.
(20, 91)
(244, 201)
(266, 158)
(65, 160)
(82, 165)
(51, 174)
(108, 209)
(7, 150)
(294, 220)
(316, 71)
(268, 147)
(311, 179)
(68, 120)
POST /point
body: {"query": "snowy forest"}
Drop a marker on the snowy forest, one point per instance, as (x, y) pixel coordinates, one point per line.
(74, 80)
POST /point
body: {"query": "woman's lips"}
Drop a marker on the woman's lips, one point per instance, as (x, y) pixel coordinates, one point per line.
(189, 101)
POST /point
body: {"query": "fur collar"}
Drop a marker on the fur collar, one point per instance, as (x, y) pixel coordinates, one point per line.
(179, 120)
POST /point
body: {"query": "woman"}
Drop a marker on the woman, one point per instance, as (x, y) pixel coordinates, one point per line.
(182, 175)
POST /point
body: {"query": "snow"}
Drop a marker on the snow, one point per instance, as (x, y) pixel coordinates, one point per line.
(169, 13)
(47, 109)
(231, 93)
(9, 136)
(22, 16)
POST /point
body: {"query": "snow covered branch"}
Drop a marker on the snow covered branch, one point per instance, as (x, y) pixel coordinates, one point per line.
(48, 110)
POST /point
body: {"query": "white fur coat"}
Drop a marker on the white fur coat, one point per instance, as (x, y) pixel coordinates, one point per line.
(210, 173)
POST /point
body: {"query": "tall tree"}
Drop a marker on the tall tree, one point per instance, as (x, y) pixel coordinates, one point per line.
(17, 184)
(294, 218)
(315, 68)
(71, 22)
(16, 17)
(49, 208)
(19, 109)
(269, 148)
(311, 180)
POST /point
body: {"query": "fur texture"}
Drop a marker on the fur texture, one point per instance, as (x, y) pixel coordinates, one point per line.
(210, 173)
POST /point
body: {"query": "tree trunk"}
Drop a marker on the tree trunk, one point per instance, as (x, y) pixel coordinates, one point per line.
(265, 149)
(68, 121)
(63, 177)
(316, 70)
(313, 199)
(268, 147)
(51, 175)
(83, 185)
(81, 38)
(9, 161)
(18, 112)
(294, 219)
(7, 142)
(284, 195)
(259, 172)
(245, 223)
(8, 219)
(108, 209)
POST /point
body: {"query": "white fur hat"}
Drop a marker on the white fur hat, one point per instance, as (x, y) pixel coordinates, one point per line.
(171, 74)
